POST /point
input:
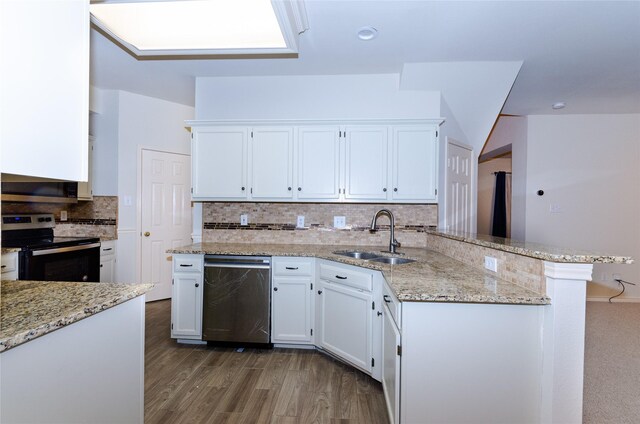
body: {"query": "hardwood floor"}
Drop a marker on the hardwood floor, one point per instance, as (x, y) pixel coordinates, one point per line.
(199, 384)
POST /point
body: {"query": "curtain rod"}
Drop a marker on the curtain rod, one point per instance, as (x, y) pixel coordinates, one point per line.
(496, 173)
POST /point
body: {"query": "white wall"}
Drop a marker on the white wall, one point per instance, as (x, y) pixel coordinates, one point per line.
(312, 97)
(486, 191)
(587, 165)
(513, 130)
(143, 122)
(105, 147)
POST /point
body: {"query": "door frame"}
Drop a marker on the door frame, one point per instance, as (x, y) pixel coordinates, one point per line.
(139, 204)
(474, 184)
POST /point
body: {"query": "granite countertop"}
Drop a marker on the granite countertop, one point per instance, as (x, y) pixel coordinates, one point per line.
(533, 250)
(30, 309)
(432, 278)
(10, 250)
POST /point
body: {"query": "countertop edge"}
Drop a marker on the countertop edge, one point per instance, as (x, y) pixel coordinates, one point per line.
(580, 258)
(133, 291)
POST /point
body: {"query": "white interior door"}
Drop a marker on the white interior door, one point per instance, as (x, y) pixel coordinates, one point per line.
(166, 216)
(459, 179)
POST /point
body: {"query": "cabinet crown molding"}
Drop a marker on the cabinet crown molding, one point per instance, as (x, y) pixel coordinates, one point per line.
(296, 122)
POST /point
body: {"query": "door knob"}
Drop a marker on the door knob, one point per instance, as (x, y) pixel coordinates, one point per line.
(147, 233)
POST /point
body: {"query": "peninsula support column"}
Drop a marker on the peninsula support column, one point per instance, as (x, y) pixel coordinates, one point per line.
(563, 342)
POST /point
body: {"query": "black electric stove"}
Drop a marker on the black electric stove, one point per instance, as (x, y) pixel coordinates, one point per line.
(45, 257)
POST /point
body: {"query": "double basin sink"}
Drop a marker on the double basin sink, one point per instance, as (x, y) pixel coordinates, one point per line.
(368, 256)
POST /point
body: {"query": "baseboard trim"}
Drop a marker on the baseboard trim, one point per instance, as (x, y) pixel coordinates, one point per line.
(616, 300)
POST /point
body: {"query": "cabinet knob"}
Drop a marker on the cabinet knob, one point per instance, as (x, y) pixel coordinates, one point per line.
(242, 188)
(299, 188)
(147, 233)
(379, 313)
(319, 291)
(395, 189)
(384, 189)
(197, 285)
(289, 188)
(275, 289)
(101, 265)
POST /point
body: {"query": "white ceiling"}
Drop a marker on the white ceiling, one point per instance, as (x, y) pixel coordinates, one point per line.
(584, 53)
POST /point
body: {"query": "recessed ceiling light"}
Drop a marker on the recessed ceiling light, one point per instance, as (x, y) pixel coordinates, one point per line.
(367, 33)
(558, 105)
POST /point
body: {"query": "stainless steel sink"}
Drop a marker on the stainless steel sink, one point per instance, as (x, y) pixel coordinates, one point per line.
(357, 254)
(392, 261)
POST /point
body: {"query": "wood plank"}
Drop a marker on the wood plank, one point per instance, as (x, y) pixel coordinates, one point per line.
(292, 396)
(240, 391)
(262, 404)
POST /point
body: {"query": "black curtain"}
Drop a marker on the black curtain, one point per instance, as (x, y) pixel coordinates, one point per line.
(499, 227)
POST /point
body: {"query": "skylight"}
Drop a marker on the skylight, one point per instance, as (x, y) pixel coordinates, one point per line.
(197, 26)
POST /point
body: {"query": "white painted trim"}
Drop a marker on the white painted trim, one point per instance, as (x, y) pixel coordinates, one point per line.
(196, 222)
(616, 300)
(568, 271)
(255, 122)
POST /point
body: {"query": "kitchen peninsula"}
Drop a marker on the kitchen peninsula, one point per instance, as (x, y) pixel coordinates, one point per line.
(464, 336)
(72, 352)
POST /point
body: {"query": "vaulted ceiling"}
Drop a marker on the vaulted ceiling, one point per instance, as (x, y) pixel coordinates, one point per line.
(586, 54)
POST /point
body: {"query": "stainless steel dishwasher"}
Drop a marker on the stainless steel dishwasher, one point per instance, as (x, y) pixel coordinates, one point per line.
(237, 299)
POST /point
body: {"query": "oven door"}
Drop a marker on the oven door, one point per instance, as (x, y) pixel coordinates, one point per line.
(70, 263)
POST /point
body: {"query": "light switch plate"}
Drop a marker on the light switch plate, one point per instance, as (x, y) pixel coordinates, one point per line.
(244, 219)
(300, 221)
(339, 221)
(63, 215)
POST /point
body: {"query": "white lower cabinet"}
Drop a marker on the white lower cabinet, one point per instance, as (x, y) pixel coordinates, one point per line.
(346, 314)
(107, 261)
(186, 300)
(10, 266)
(391, 350)
(291, 306)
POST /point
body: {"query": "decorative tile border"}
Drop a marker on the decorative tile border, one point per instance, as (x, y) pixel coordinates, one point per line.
(84, 221)
(291, 227)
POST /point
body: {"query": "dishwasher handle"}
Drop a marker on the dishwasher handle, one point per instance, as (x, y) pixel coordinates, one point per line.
(237, 265)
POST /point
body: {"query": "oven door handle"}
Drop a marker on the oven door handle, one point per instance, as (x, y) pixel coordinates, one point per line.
(64, 249)
(237, 266)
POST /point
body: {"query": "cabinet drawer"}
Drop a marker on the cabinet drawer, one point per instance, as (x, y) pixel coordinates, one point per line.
(392, 303)
(188, 263)
(359, 280)
(9, 262)
(107, 248)
(284, 266)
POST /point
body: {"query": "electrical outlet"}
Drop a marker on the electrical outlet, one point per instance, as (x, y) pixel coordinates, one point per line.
(244, 219)
(491, 263)
(300, 221)
(339, 221)
(63, 215)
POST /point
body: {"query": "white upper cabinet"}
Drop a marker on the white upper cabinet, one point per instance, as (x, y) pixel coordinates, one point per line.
(414, 159)
(85, 188)
(219, 158)
(272, 163)
(44, 65)
(318, 162)
(395, 161)
(366, 162)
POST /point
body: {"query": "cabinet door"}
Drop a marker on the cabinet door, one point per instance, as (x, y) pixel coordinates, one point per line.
(272, 163)
(318, 163)
(291, 310)
(85, 188)
(391, 366)
(345, 322)
(414, 163)
(107, 268)
(366, 163)
(219, 163)
(186, 306)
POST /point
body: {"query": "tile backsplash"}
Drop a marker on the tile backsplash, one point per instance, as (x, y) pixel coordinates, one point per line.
(97, 218)
(276, 223)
